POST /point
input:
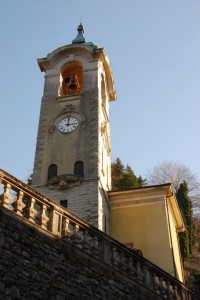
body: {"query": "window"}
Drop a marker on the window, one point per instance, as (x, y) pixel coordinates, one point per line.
(52, 171)
(79, 168)
(64, 203)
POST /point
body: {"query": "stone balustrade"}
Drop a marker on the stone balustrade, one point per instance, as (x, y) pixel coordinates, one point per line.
(41, 211)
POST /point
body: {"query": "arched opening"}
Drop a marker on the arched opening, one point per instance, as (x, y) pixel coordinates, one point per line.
(79, 168)
(72, 78)
(52, 171)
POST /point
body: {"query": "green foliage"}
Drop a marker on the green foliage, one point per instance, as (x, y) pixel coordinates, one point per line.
(124, 177)
(141, 181)
(187, 238)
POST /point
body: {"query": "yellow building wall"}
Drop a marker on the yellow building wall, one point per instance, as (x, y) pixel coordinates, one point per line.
(147, 227)
(175, 245)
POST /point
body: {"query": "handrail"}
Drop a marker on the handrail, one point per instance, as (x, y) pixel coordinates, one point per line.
(49, 215)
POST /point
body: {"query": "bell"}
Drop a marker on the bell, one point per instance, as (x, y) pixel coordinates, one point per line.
(72, 81)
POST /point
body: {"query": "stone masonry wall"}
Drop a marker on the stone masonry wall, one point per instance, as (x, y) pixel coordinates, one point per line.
(82, 199)
(36, 265)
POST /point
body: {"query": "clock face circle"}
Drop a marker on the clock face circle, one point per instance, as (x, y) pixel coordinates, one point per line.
(68, 124)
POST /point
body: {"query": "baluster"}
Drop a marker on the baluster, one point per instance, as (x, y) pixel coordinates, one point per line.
(122, 264)
(77, 236)
(177, 294)
(19, 205)
(43, 219)
(86, 241)
(156, 284)
(147, 277)
(106, 252)
(114, 258)
(183, 294)
(55, 222)
(101, 249)
(140, 274)
(189, 296)
(162, 287)
(66, 232)
(31, 211)
(5, 197)
(170, 291)
(95, 247)
(131, 268)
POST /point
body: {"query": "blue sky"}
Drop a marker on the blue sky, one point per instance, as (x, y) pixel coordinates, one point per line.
(154, 50)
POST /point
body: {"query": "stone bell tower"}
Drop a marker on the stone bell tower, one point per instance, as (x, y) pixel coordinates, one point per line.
(73, 151)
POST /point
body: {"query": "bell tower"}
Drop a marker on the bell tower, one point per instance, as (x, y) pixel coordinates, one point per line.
(73, 152)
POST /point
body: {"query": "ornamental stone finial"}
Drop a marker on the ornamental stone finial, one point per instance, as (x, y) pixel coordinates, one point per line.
(80, 38)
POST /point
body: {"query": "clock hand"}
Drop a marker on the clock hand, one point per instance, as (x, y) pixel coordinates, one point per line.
(68, 121)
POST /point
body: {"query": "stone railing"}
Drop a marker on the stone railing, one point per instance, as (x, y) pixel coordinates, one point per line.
(47, 214)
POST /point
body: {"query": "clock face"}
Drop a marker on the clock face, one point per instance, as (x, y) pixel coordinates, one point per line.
(68, 124)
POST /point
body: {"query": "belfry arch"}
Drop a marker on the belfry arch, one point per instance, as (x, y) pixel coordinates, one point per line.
(71, 78)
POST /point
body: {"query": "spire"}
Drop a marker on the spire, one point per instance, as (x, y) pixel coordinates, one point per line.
(80, 38)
